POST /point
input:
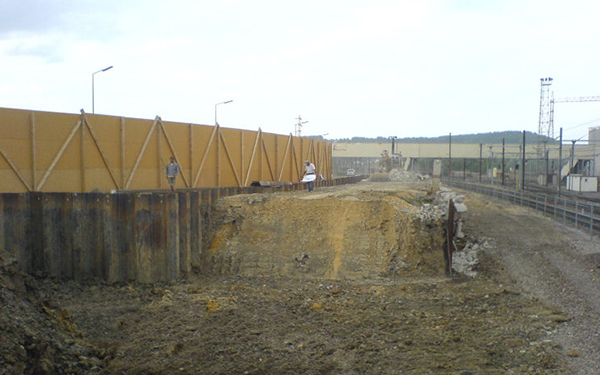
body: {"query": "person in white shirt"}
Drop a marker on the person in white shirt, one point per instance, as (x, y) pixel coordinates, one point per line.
(310, 169)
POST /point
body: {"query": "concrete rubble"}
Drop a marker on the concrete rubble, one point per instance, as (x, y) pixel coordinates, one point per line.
(438, 208)
(466, 261)
(398, 175)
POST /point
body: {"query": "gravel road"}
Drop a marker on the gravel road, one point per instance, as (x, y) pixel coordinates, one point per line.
(556, 264)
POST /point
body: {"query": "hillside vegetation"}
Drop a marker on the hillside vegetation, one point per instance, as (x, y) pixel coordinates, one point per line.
(495, 137)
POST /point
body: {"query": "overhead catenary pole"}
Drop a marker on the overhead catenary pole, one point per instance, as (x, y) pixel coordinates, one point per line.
(480, 159)
(491, 169)
(572, 164)
(450, 155)
(547, 167)
(560, 162)
(503, 165)
(523, 164)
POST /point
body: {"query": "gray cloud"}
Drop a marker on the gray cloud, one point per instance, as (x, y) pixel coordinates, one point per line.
(48, 50)
(86, 19)
(29, 16)
(40, 28)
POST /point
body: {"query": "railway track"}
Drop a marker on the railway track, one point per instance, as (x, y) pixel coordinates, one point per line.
(579, 210)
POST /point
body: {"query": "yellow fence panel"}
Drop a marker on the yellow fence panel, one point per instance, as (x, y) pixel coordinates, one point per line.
(59, 152)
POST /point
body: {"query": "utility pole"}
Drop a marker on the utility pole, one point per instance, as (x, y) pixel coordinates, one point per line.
(572, 164)
(298, 130)
(450, 155)
(547, 167)
(480, 160)
(560, 162)
(491, 168)
(523, 164)
(503, 145)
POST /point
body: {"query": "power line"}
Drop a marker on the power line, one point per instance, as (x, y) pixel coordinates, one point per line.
(586, 123)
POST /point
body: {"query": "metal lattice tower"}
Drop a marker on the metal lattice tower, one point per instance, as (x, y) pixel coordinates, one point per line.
(546, 126)
(298, 130)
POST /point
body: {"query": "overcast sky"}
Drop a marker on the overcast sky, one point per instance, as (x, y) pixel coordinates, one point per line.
(349, 68)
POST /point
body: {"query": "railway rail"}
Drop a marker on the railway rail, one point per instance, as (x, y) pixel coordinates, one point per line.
(582, 212)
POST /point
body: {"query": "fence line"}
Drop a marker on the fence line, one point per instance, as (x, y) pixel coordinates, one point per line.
(58, 152)
(582, 215)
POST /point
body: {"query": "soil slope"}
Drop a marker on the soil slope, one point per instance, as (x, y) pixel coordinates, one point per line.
(343, 233)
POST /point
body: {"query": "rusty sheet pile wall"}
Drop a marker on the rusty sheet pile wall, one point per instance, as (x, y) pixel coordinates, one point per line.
(129, 236)
(112, 237)
(58, 152)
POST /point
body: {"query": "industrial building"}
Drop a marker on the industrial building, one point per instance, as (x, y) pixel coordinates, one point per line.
(483, 161)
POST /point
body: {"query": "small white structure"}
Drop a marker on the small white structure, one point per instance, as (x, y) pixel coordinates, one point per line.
(576, 182)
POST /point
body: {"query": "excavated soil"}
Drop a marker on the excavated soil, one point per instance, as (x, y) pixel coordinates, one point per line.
(343, 233)
(340, 287)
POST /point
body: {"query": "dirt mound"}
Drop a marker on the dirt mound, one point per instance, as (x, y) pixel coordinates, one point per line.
(343, 234)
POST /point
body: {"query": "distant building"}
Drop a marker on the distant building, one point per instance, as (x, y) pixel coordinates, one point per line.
(469, 158)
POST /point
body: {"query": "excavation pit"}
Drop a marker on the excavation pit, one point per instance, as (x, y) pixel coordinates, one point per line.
(357, 287)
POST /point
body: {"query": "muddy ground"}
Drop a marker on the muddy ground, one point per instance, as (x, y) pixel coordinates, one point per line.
(531, 308)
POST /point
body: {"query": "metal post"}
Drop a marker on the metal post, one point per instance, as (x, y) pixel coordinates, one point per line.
(591, 222)
(491, 168)
(572, 165)
(523, 164)
(450, 155)
(480, 159)
(93, 109)
(560, 162)
(225, 102)
(503, 166)
(547, 167)
(93, 74)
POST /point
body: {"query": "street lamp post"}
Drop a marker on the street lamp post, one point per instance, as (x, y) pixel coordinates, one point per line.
(225, 102)
(99, 71)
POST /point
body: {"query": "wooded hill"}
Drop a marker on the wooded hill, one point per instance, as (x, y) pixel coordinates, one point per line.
(511, 137)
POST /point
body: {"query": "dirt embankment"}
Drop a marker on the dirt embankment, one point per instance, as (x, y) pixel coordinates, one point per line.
(336, 234)
(37, 335)
(364, 300)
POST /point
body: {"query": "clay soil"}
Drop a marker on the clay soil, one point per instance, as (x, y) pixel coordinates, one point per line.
(532, 308)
